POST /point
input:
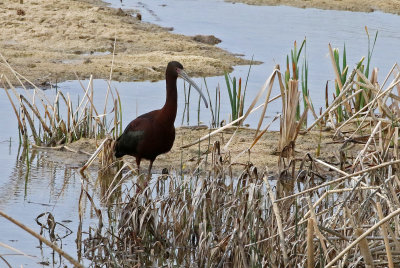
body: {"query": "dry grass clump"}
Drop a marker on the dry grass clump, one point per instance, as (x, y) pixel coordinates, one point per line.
(59, 121)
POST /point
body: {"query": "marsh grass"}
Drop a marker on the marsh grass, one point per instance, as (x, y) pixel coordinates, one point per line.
(364, 94)
(292, 73)
(216, 108)
(237, 94)
(60, 121)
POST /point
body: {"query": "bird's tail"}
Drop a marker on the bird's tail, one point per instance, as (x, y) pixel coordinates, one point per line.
(117, 149)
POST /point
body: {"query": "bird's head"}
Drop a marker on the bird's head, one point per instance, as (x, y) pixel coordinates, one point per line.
(175, 69)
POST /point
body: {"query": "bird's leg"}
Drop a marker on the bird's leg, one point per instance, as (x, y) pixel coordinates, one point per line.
(138, 165)
(148, 174)
(139, 188)
(150, 166)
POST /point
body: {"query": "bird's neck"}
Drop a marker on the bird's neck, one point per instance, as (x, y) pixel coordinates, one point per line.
(169, 110)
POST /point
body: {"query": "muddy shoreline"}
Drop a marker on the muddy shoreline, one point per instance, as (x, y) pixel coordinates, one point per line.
(347, 5)
(63, 40)
(264, 156)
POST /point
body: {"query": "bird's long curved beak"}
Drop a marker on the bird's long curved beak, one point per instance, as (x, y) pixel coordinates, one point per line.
(185, 77)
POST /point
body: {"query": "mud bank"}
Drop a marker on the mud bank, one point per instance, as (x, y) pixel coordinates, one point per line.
(349, 5)
(51, 41)
(263, 155)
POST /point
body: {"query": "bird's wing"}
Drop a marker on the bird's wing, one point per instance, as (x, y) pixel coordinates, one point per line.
(127, 143)
(134, 133)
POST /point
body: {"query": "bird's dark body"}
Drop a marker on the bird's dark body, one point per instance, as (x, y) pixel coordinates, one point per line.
(153, 133)
(146, 137)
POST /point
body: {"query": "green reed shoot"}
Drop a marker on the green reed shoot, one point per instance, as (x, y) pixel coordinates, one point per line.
(232, 94)
(292, 73)
(28, 166)
(359, 101)
(214, 121)
(343, 76)
(370, 51)
(304, 89)
(236, 94)
(217, 105)
(366, 72)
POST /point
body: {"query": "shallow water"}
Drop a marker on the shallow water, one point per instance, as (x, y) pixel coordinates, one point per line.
(265, 32)
(48, 187)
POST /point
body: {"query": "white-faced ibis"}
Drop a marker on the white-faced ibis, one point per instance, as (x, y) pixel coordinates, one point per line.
(153, 133)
